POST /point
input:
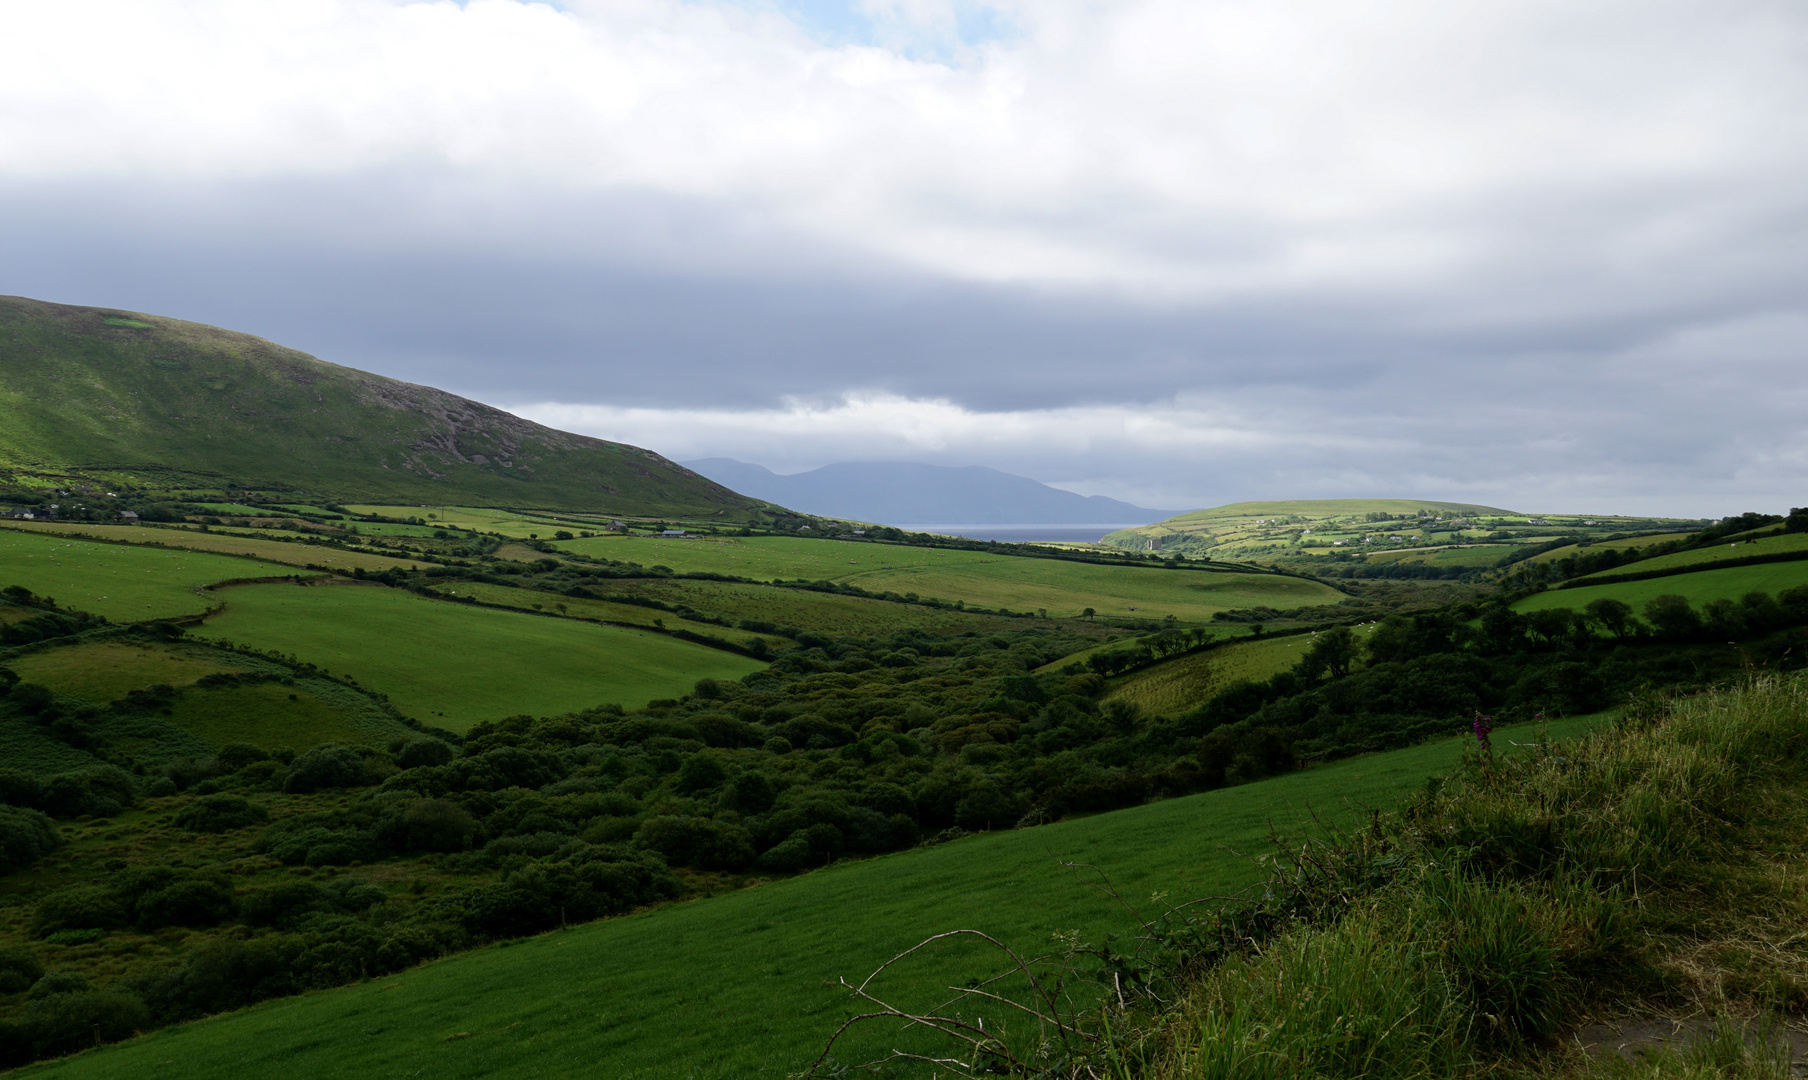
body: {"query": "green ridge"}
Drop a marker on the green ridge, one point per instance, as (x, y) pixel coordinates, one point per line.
(131, 399)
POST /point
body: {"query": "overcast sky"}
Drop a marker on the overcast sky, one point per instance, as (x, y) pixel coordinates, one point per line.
(1545, 255)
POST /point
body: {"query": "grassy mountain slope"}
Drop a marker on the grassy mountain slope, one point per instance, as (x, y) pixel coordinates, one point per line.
(132, 399)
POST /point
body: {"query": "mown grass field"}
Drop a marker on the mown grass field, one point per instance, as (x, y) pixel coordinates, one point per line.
(124, 584)
(602, 610)
(452, 665)
(102, 671)
(823, 613)
(1180, 684)
(744, 984)
(1619, 545)
(296, 715)
(272, 715)
(1774, 544)
(192, 539)
(1726, 583)
(976, 578)
(489, 520)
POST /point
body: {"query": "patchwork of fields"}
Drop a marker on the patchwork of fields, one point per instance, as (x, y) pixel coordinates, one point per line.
(744, 984)
(1061, 587)
(186, 539)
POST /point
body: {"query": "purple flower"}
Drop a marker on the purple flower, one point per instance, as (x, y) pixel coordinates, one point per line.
(1483, 725)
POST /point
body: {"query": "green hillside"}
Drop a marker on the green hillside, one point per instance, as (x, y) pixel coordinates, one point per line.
(1342, 535)
(743, 985)
(95, 396)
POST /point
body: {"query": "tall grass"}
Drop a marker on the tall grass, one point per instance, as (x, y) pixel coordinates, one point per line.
(1513, 900)
(1463, 935)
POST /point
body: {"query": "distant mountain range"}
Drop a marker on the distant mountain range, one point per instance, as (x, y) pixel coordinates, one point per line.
(121, 398)
(905, 493)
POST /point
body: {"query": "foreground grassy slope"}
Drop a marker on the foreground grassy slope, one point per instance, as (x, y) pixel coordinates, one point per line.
(124, 584)
(453, 665)
(976, 578)
(163, 403)
(742, 985)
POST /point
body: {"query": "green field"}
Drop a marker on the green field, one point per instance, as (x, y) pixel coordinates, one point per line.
(601, 610)
(124, 584)
(823, 613)
(101, 671)
(1774, 544)
(193, 539)
(296, 715)
(1178, 685)
(976, 578)
(1727, 583)
(452, 665)
(743, 984)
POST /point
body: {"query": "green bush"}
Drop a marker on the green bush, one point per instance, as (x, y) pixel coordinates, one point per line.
(330, 765)
(84, 907)
(423, 751)
(25, 837)
(18, 970)
(20, 788)
(697, 841)
(220, 813)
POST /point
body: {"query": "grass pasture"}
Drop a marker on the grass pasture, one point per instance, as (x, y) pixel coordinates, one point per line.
(823, 613)
(602, 610)
(977, 578)
(1774, 544)
(218, 543)
(103, 671)
(743, 984)
(122, 583)
(452, 665)
(1726, 583)
(200, 719)
(272, 715)
(1180, 684)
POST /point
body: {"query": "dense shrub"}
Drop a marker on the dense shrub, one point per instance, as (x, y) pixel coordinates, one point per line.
(18, 970)
(330, 765)
(20, 788)
(102, 791)
(83, 907)
(220, 813)
(25, 837)
(697, 841)
(423, 751)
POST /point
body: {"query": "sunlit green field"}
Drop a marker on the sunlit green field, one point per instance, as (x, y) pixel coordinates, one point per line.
(124, 584)
(976, 578)
(1727, 583)
(506, 522)
(1178, 685)
(452, 665)
(1619, 545)
(744, 985)
(1775, 544)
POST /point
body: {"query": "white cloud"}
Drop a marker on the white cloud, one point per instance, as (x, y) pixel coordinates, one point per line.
(1184, 149)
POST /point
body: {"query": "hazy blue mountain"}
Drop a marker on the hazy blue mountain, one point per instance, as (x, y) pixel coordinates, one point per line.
(903, 493)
